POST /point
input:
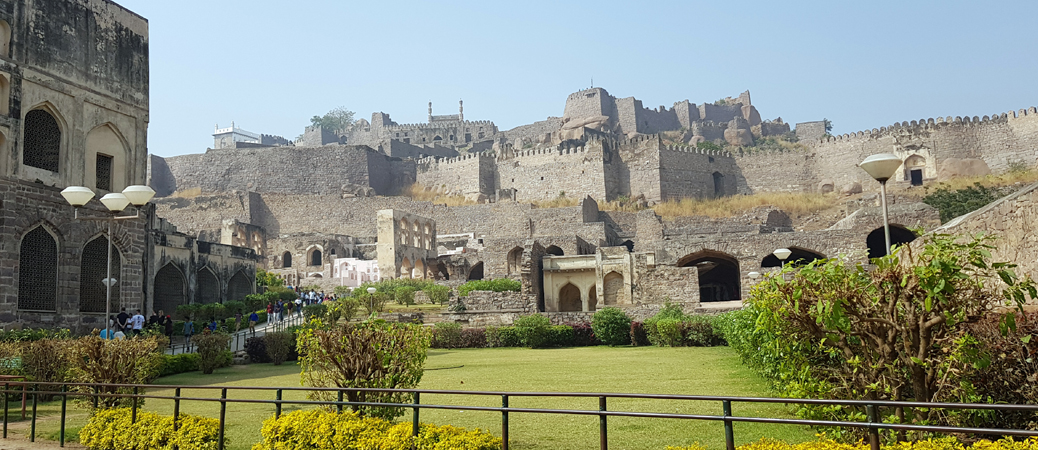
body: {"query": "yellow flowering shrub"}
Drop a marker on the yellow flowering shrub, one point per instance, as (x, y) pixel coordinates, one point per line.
(320, 430)
(943, 443)
(111, 429)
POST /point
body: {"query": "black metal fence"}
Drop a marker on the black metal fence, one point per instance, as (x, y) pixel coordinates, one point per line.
(179, 345)
(872, 424)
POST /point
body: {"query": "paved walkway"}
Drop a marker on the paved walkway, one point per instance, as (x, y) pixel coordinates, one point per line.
(237, 342)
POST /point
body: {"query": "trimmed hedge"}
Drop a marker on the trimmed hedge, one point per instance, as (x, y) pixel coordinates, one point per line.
(323, 430)
(174, 364)
(452, 335)
(110, 429)
(498, 285)
(942, 443)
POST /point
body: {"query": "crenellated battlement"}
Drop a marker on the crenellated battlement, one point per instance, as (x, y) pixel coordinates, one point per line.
(426, 126)
(924, 125)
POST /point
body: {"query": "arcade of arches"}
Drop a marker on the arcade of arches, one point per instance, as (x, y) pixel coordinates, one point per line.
(876, 240)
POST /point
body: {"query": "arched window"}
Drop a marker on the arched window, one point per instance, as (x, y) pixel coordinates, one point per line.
(105, 146)
(718, 275)
(515, 260)
(554, 250)
(569, 298)
(38, 271)
(41, 140)
(5, 95)
(592, 298)
(476, 273)
(92, 294)
(718, 184)
(5, 39)
(798, 257)
(238, 287)
(208, 287)
(286, 260)
(877, 242)
(315, 258)
(170, 289)
(613, 284)
(405, 268)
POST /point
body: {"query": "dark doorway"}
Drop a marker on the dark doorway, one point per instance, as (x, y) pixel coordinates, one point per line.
(170, 289)
(877, 244)
(718, 275)
(476, 273)
(917, 177)
(569, 298)
(718, 184)
(554, 251)
(799, 257)
(207, 287)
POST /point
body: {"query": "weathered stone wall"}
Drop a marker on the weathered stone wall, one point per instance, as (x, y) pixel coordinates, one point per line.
(546, 174)
(778, 172)
(464, 175)
(690, 173)
(533, 132)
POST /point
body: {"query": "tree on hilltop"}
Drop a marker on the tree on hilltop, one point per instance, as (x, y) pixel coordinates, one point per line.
(339, 121)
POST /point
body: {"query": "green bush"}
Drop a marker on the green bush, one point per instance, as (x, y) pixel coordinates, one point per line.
(33, 334)
(404, 295)
(498, 285)
(111, 429)
(278, 345)
(437, 294)
(533, 330)
(952, 204)
(502, 337)
(559, 336)
(318, 429)
(446, 335)
(174, 364)
(612, 326)
(315, 311)
(667, 333)
(700, 331)
(210, 349)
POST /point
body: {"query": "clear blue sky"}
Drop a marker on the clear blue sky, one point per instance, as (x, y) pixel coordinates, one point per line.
(271, 65)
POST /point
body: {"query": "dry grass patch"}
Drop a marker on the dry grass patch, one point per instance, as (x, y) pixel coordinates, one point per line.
(791, 202)
(423, 193)
(188, 193)
(558, 202)
(1013, 176)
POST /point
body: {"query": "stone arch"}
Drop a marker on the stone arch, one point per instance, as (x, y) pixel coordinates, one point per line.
(914, 167)
(515, 260)
(441, 268)
(286, 260)
(93, 296)
(629, 244)
(569, 298)
(877, 244)
(170, 288)
(416, 235)
(437, 138)
(42, 138)
(419, 270)
(5, 39)
(106, 158)
(719, 278)
(592, 298)
(207, 286)
(798, 257)
(612, 287)
(405, 268)
(5, 95)
(476, 272)
(554, 250)
(718, 184)
(38, 270)
(314, 256)
(427, 237)
(238, 286)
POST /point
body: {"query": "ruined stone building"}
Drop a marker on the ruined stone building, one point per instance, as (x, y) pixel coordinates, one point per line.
(74, 112)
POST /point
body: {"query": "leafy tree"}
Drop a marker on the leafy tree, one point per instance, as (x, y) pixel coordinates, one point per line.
(112, 362)
(265, 279)
(828, 125)
(955, 203)
(891, 333)
(612, 326)
(339, 121)
(374, 354)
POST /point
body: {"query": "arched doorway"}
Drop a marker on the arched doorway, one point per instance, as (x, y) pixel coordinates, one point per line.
(798, 257)
(592, 298)
(286, 260)
(476, 273)
(515, 260)
(315, 258)
(238, 286)
(914, 166)
(92, 294)
(718, 275)
(441, 268)
(405, 268)
(877, 242)
(569, 298)
(208, 289)
(170, 289)
(613, 284)
(718, 184)
(419, 270)
(554, 250)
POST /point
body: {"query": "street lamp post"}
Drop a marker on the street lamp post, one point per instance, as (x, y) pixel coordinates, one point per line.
(116, 202)
(782, 254)
(881, 167)
(371, 299)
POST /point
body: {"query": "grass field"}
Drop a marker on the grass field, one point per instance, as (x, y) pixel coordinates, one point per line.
(706, 371)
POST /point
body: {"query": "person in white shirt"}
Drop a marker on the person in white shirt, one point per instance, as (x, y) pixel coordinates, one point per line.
(137, 321)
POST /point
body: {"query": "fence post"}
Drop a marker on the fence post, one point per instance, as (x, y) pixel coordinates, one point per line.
(96, 391)
(61, 434)
(414, 415)
(603, 437)
(223, 415)
(133, 409)
(32, 428)
(277, 405)
(504, 422)
(729, 430)
(176, 410)
(873, 431)
(340, 401)
(7, 387)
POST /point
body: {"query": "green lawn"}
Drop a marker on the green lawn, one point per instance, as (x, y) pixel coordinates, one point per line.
(704, 371)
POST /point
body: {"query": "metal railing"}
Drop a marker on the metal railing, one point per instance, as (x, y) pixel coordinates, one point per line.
(238, 338)
(873, 424)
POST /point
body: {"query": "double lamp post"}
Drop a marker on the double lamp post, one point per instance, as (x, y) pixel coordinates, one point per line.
(116, 202)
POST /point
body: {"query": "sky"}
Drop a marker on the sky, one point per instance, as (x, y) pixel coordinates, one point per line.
(269, 66)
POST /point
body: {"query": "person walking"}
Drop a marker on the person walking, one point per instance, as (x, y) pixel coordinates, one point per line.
(189, 330)
(253, 318)
(122, 321)
(137, 323)
(237, 321)
(168, 328)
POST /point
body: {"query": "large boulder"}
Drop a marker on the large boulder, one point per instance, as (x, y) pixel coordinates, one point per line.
(826, 186)
(966, 167)
(738, 137)
(751, 115)
(851, 188)
(695, 140)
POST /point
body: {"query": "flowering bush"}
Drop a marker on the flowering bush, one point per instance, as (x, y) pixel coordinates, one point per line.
(111, 429)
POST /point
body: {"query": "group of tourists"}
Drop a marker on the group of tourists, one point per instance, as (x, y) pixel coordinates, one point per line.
(124, 324)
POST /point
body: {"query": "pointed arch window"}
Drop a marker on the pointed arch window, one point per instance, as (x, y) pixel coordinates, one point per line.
(42, 140)
(38, 271)
(92, 294)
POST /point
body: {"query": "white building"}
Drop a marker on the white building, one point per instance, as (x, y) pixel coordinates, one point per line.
(226, 137)
(353, 272)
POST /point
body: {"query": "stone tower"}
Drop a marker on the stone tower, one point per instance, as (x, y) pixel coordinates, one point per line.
(430, 112)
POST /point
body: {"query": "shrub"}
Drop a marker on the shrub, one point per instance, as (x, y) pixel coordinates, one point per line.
(533, 330)
(473, 338)
(699, 331)
(234, 307)
(114, 361)
(33, 334)
(111, 429)
(584, 335)
(404, 295)
(315, 311)
(278, 344)
(46, 360)
(256, 348)
(210, 349)
(438, 294)
(612, 326)
(374, 354)
(325, 430)
(667, 333)
(502, 337)
(1008, 375)
(559, 336)
(638, 335)
(446, 335)
(498, 285)
(344, 308)
(174, 364)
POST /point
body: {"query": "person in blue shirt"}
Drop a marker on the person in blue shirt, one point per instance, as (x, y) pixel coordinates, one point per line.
(189, 330)
(213, 326)
(253, 318)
